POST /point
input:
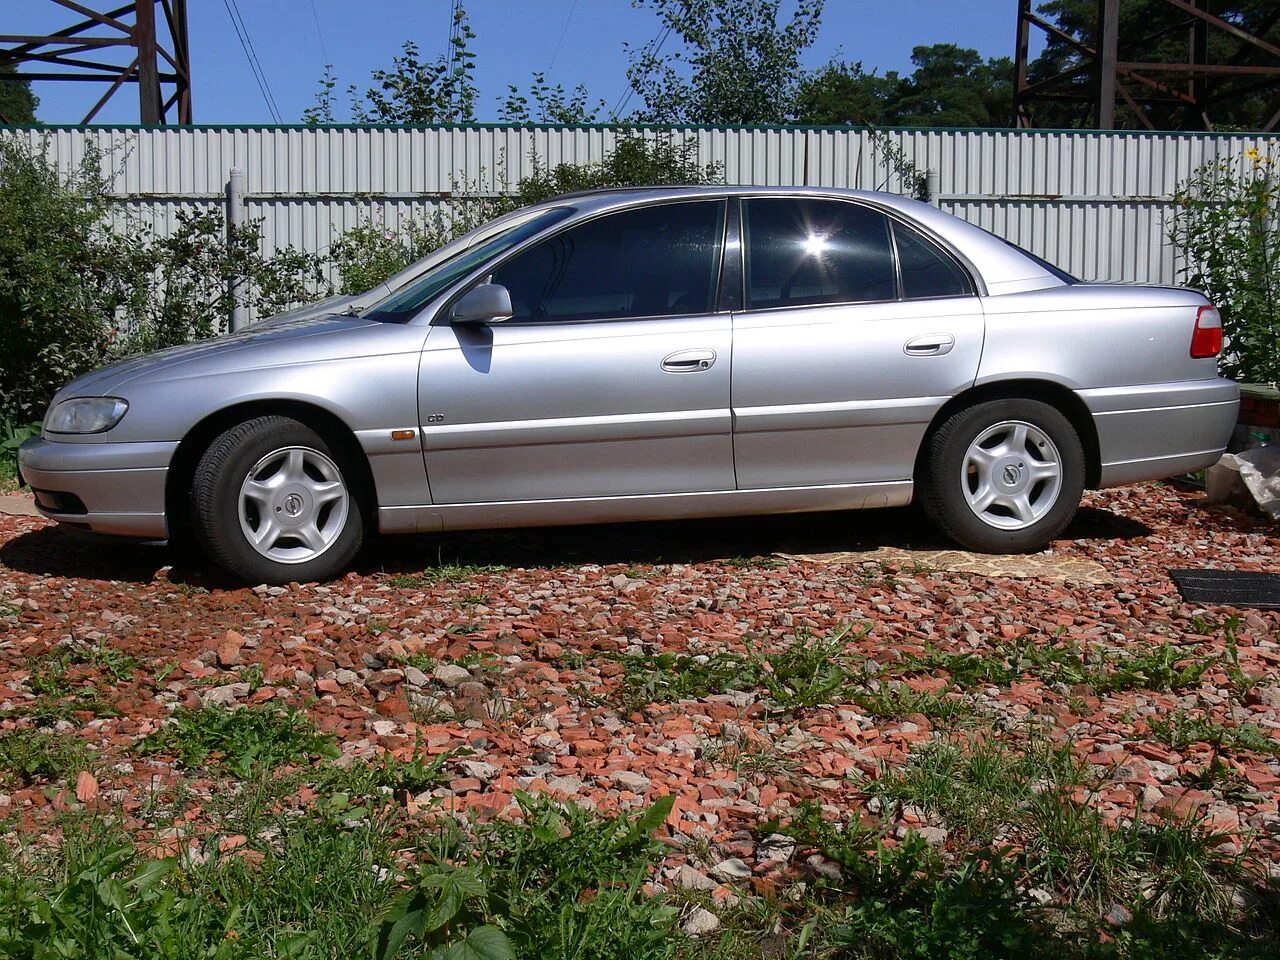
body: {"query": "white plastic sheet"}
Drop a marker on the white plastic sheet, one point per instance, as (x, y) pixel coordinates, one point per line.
(1255, 472)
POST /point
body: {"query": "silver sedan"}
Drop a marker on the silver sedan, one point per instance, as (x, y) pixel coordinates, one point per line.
(651, 353)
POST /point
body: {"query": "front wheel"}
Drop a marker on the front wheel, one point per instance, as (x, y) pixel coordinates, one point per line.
(274, 502)
(1005, 476)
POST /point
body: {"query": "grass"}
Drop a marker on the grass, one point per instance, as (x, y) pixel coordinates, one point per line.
(34, 756)
(1181, 730)
(1162, 667)
(385, 776)
(809, 672)
(242, 740)
(442, 573)
(1013, 827)
(563, 884)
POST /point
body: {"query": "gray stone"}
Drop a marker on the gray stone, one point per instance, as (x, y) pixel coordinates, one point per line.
(630, 780)
(450, 674)
(776, 848)
(415, 677)
(701, 922)
(692, 878)
(225, 695)
(480, 770)
(732, 869)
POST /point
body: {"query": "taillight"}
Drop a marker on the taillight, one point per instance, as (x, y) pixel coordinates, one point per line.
(1207, 339)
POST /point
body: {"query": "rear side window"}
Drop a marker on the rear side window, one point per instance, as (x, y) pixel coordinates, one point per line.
(802, 251)
(926, 270)
(662, 260)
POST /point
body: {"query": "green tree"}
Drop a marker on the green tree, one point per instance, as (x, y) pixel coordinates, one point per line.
(17, 102)
(412, 90)
(1157, 31)
(844, 93)
(545, 103)
(736, 63)
(950, 87)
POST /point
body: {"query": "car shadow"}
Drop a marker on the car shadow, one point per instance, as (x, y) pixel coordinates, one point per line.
(54, 551)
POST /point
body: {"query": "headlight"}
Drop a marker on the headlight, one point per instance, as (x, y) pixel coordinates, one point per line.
(85, 415)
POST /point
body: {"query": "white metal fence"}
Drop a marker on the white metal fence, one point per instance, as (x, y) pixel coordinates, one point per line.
(1094, 203)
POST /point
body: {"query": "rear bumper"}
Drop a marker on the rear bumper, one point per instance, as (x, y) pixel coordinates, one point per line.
(1155, 431)
(110, 488)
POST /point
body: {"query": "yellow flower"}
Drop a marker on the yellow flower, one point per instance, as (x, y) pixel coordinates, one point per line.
(1253, 153)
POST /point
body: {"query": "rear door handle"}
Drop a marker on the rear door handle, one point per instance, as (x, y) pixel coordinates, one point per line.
(688, 361)
(929, 345)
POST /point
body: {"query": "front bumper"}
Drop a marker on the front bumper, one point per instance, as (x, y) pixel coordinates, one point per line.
(1155, 431)
(111, 488)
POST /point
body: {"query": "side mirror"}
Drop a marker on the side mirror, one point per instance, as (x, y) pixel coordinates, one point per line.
(486, 303)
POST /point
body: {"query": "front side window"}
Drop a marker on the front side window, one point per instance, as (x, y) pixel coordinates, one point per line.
(661, 260)
(802, 252)
(403, 305)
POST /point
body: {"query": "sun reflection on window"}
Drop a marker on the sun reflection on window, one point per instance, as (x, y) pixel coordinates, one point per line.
(815, 245)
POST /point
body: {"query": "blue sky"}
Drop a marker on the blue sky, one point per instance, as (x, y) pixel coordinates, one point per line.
(295, 38)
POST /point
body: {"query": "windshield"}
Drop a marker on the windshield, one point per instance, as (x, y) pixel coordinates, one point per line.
(403, 305)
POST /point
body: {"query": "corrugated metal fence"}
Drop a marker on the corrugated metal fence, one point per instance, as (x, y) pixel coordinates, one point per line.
(1093, 203)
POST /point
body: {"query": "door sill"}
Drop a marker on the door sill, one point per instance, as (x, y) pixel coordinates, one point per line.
(434, 518)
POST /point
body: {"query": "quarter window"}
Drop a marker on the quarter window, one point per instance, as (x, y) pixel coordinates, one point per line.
(926, 270)
(662, 260)
(802, 252)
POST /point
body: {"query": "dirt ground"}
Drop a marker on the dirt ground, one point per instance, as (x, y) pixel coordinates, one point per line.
(534, 660)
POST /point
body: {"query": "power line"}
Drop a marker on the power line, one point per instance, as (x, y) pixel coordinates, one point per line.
(563, 30)
(625, 98)
(255, 66)
(315, 15)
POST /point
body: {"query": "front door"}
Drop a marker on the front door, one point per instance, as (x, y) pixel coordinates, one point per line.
(855, 331)
(611, 379)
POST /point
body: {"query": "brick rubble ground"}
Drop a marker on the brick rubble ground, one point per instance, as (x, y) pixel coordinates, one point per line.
(535, 704)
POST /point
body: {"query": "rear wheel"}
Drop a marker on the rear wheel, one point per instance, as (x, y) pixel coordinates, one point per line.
(1005, 476)
(274, 502)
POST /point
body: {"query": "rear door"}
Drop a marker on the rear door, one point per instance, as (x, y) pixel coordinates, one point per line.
(611, 379)
(855, 330)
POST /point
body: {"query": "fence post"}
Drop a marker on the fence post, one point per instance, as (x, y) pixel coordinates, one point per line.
(933, 186)
(235, 220)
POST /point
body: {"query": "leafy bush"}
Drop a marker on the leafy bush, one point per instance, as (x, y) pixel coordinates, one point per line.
(56, 265)
(12, 435)
(1227, 228)
(79, 289)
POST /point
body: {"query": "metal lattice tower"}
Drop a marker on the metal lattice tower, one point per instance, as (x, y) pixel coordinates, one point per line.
(143, 43)
(1109, 67)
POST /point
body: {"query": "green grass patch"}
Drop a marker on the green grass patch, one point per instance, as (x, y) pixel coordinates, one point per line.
(443, 573)
(243, 740)
(35, 756)
(563, 884)
(1181, 730)
(1162, 667)
(812, 671)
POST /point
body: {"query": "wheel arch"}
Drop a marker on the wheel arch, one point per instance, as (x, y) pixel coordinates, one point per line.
(196, 441)
(1060, 397)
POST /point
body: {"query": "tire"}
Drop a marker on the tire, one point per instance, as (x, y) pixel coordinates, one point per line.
(279, 481)
(1030, 490)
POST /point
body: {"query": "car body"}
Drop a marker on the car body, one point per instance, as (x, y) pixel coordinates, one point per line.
(666, 352)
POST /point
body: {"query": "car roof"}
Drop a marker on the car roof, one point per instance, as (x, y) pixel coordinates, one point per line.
(1000, 266)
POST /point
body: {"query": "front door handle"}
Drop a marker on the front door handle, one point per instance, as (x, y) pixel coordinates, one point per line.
(929, 345)
(688, 361)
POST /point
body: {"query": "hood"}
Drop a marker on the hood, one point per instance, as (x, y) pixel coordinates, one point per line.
(263, 344)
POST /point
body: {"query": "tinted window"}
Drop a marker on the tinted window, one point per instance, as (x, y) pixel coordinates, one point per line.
(403, 305)
(657, 261)
(926, 270)
(816, 251)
